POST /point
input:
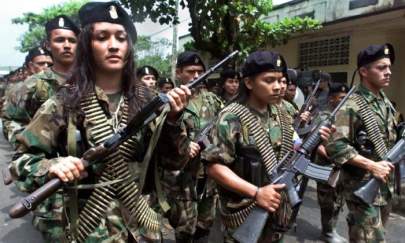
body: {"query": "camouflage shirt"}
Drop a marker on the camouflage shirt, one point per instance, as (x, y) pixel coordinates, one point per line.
(344, 144)
(45, 137)
(26, 99)
(227, 136)
(290, 108)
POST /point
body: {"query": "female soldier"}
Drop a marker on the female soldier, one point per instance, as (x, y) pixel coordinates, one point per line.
(101, 98)
(250, 137)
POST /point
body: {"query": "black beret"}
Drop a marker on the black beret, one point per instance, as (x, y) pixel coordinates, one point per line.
(163, 81)
(375, 52)
(34, 52)
(188, 58)
(292, 76)
(147, 70)
(229, 73)
(110, 12)
(61, 22)
(337, 88)
(261, 61)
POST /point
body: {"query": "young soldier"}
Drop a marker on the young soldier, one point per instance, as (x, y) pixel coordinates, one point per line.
(230, 84)
(36, 61)
(102, 96)
(235, 155)
(190, 194)
(61, 42)
(330, 199)
(148, 75)
(291, 89)
(165, 85)
(354, 145)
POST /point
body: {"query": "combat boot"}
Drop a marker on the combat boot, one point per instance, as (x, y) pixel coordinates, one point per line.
(332, 237)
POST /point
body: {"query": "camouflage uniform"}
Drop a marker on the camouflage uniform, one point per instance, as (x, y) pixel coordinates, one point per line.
(46, 137)
(226, 137)
(26, 98)
(290, 108)
(188, 212)
(366, 222)
(330, 199)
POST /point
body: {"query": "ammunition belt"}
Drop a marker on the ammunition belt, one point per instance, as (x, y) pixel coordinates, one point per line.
(265, 148)
(371, 125)
(287, 132)
(234, 220)
(116, 167)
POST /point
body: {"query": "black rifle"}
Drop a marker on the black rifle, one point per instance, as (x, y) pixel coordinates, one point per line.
(369, 191)
(299, 163)
(96, 154)
(299, 124)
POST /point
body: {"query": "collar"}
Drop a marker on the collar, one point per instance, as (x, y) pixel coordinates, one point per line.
(369, 96)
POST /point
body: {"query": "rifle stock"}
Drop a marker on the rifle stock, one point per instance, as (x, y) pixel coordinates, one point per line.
(369, 191)
(95, 154)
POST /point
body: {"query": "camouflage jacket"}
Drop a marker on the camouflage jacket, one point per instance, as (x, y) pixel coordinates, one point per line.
(227, 138)
(290, 108)
(45, 137)
(26, 99)
(201, 110)
(344, 143)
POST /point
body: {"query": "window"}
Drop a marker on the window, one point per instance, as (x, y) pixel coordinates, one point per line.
(325, 52)
(361, 3)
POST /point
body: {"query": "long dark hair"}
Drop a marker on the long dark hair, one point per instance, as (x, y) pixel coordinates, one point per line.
(82, 80)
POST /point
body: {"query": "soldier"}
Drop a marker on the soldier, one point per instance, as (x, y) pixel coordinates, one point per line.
(291, 89)
(323, 91)
(234, 158)
(101, 97)
(190, 194)
(330, 199)
(359, 152)
(165, 85)
(148, 75)
(37, 60)
(230, 84)
(61, 42)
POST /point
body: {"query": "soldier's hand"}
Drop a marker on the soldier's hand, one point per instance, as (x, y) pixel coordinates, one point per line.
(193, 149)
(305, 116)
(326, 133)
(381, 170)
(268, 197)
(68, 169)
(178, 99)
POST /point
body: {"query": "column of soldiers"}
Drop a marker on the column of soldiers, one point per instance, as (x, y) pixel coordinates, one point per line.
(205, 156)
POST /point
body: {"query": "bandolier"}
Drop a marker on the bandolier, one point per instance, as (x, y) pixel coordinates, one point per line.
(268, 156)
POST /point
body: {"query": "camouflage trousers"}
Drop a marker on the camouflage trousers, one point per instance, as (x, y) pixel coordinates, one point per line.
(366, 222)
(331, 201)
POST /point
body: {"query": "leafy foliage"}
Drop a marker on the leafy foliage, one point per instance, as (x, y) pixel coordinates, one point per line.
(221, 26)
(36, 22)
(153, 53)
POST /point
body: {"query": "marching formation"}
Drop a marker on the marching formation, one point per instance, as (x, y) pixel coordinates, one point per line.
(109, 153)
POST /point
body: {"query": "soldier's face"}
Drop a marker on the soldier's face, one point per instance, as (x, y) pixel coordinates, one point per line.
(189, 73)
(377, 74)
(149, 80)
(62, 45)
(283, 86)
(110, 46)
(290, 92)
(335, 99)
(166, 88)
(265, 87)
(231, 86)
(39, 63)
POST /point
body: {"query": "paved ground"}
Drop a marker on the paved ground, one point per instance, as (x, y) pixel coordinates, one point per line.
(308, 229)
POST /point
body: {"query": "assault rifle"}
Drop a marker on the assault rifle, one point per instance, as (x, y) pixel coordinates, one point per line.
(299, 124)
(299, 163)
(369, 191)
(98, 153)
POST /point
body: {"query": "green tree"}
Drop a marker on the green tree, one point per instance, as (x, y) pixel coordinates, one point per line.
(153, 53)
(221, 26)
(36, 22)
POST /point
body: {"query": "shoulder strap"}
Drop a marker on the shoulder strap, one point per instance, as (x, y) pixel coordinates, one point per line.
(371, 125)
(287, 132)
(262, 139)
